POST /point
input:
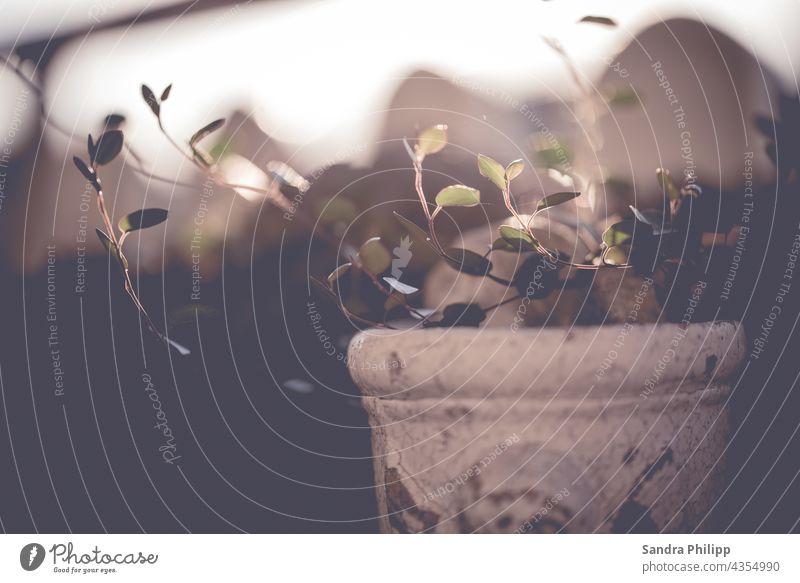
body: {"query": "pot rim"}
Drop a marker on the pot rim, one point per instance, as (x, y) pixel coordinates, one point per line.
(608, 360)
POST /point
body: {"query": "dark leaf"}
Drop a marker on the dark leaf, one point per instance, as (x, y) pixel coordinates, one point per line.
(91, 147)
(463, 315)
(113, 121)
(537, 277)
(766, 125)
(605, 21)
(111, 248)
(206, 130)
(415, 231)
(338, 272)
(323, 290)
(556, 199)
(108, 146)
(151, 101)
(165, 93)
(84, 169)
(654, 219)
(468, 261)
(142, 219)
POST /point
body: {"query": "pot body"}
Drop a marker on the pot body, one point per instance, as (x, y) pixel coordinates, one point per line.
(591, 429)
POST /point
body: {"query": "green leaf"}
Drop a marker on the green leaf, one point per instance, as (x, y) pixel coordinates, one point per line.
(458, 195)
(519, 240)
(619, 233)
(556, 199)
(84, 169)
(206, 130)
(142, 219)
(374, 256)
(501, 244)
(107, 147)
(514, 169)
(493, 170)
(111, 248)
(415, 231)
(615, 256)
(667, 185)
(150, 100)
(401, 287)
(624, 96)
(335, 210)
(605, 21)
(338, 272)
(394, 300)
(556, 156)
(432, 140)
(467, 261)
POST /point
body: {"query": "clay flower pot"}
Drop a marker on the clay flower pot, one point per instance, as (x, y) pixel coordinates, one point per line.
(610, 429)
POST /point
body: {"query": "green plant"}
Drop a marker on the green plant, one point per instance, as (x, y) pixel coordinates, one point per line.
(663, 243)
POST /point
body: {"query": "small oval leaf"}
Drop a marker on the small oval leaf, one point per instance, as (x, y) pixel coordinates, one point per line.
(374, 257)
(432, 140)
(458, 195)
(615, 256)
(417, 232)
(619, 233)
(401, 287)
(493, 170)
(556, 199)
(667, 184)
(83, 168)
(113, 121)
(604, 20)
(107, 147)
(501, 244)
(463, 315)
(142, 219)
(338, 272)
(514, 169)
(518, 239)
(206, 130)
(150, 100)
(467, 261)
(165, 93)
(111, 248)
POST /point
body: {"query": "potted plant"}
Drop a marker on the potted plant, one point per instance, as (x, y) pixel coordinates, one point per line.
(613, 422)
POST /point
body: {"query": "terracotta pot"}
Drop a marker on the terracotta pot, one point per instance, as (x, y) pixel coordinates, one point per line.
(614, 428)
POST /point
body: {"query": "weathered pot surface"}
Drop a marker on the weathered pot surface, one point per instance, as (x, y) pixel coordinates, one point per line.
(614, 428)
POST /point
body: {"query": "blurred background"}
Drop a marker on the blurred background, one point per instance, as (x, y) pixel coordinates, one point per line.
(267, 428)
